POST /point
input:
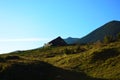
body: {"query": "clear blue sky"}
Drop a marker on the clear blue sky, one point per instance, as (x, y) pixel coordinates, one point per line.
(27, 24)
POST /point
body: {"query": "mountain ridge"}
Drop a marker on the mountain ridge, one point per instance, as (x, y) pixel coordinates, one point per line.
(71, 40)
(111, 28)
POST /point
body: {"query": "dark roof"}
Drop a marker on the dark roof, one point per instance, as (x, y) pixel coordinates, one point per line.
(57, 42)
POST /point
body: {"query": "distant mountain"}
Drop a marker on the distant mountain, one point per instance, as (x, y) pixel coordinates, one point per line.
(56, 42)
(71, 40)
(109, 29)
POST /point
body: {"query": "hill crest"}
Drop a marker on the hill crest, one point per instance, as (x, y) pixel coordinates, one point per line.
(111, 28)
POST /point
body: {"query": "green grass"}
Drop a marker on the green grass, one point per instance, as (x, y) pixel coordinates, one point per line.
(96, 61)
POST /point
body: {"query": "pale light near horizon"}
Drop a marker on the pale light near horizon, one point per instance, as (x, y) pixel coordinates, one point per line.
(23, 39)
(14, 44)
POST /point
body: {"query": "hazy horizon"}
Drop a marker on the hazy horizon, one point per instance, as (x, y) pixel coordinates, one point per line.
(28, 24)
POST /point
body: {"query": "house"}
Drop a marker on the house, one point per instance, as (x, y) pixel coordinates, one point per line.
(56, 42)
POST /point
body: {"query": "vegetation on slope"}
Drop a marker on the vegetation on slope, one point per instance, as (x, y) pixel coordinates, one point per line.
(97, 61)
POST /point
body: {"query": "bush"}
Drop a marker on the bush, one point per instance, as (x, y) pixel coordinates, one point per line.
(105, 54)
(12, 57)
(67, 51)
(2, 59)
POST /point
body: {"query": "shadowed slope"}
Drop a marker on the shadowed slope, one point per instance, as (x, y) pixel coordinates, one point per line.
(37, 70)
(110, 29)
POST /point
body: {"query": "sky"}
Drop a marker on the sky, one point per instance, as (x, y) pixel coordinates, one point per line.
(28, 24)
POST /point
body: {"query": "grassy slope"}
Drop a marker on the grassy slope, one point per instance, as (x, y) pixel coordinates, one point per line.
(86, 62)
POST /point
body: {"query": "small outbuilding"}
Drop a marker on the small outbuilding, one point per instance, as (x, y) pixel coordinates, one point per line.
(56, 42)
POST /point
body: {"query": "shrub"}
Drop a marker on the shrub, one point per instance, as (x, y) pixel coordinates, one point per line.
(104, 54)
(68, 51)
(98, 44)
(2, 59)
(12, 57)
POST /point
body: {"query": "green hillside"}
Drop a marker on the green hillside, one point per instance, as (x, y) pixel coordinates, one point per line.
(98, 61)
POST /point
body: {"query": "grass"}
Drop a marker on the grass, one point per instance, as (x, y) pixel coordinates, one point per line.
(98, 61)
